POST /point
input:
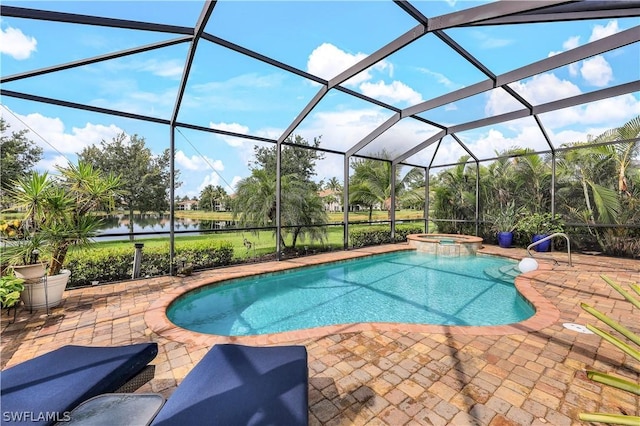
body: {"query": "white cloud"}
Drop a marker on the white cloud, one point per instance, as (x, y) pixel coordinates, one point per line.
(485, 41)
(15, 44)
(50, 164)
(394, 92)
(50, 133)
(344, 128)
(170, 68)
(596, 71)
(571, 43)
(215, 180)
(210, 179)
(440, 78)
(234, 183)
(196, 162)
(600, 31)
(231, 127)
(607, 114)
(540, 89)
(327, 61)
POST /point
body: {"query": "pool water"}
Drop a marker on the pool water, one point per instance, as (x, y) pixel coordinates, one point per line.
(401, 287)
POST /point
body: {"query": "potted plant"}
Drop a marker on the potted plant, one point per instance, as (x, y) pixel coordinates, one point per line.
(58, 215)
(504, 222)
(539, 226)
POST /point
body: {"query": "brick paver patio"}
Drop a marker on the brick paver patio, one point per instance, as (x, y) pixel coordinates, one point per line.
(386, 374)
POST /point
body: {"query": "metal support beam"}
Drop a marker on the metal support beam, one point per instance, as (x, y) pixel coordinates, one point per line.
(371, 136)
(172, 197)
(426, 200)
(598, 95)
(392, 202)
(96, 59)
(279, 201)
(197, 31)
(583, 10)
(416, 149)
(74, 18)
(485, 12)
(397, 44)
(345, 203)
(477, 197)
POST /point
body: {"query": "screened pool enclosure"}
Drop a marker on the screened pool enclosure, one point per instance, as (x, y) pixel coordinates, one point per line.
(452, 111)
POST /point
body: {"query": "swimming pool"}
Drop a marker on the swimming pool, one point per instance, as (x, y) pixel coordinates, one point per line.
(401, 287)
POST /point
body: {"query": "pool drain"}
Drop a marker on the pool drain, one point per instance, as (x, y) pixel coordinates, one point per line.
(577, 327)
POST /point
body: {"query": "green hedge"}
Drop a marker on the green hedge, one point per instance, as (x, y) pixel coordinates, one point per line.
(374, 235)
(116, 264)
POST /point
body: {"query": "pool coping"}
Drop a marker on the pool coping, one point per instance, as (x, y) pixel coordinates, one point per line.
(155, 317)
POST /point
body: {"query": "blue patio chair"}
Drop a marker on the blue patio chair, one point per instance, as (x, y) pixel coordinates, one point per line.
(44, 389)
(242, 385)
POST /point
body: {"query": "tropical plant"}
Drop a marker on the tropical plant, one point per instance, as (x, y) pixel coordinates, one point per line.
(505, 219)
(533, 176)
(57, 210)
(454, 196)
(302, 208)
(10, 288)
(629, 347)
(540, 224)
(212, 196)
(370, 184)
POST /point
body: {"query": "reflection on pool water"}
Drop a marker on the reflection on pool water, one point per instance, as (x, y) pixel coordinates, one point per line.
(401, 287)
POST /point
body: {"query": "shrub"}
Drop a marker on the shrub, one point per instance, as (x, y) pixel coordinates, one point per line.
(116, 264)
(375, 235)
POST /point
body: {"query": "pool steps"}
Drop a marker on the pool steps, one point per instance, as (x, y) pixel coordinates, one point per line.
(503, 273)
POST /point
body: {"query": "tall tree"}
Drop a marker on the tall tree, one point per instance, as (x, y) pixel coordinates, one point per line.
(371, 183)
(301, 206)
(533, 177)
(18, 155)
(454, 195)
(335, 187)
(145, 178)
(210, 196)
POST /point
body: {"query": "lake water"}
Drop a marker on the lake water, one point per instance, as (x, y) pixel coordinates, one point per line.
(160, 224)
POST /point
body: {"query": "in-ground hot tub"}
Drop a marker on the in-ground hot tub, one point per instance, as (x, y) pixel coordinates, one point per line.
(445, 244)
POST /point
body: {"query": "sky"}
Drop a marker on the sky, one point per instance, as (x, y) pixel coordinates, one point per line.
(233, 92)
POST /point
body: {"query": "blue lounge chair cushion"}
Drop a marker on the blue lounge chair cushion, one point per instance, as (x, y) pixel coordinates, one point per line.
(242, 385)
(41, 390)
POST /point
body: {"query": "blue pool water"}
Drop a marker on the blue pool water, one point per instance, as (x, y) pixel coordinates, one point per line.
(406, 287)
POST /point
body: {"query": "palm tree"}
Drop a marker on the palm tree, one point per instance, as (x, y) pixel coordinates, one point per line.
(208, 197)
(301, 206)
(371, 184)
(454, 194)
(621, 153)
(533, 177)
